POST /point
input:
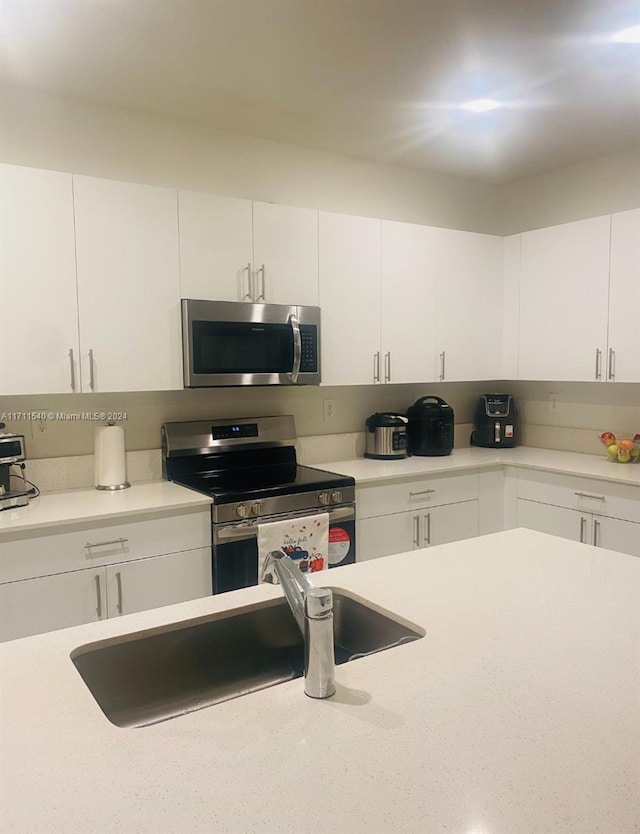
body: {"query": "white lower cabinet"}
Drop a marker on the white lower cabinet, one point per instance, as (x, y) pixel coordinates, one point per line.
(67, 576)
(46, 603)
(588, 528)
(396, 533)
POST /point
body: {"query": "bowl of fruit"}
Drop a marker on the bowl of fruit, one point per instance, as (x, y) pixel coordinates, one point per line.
(621, 451)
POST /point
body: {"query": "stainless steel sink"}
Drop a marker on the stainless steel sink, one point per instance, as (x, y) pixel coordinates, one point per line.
(153, 675)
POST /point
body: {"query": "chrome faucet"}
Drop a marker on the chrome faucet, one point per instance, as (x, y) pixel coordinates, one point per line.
(312, 609)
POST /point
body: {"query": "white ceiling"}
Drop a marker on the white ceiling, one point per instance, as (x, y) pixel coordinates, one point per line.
(371, 78)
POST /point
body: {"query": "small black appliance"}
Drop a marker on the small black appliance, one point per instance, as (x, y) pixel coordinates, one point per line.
(430, 427)
(386, 436)
(12, 454)
(496, 422)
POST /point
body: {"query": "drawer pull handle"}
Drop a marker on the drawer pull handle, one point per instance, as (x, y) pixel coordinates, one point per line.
(104, 544)
(427, 529)
(596, 532)
(423, 492)
(119, 584)
(583, 524)
(588, 495)
(416, 531)
(98, 597)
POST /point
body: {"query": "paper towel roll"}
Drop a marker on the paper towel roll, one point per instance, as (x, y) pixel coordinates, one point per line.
(110, 458)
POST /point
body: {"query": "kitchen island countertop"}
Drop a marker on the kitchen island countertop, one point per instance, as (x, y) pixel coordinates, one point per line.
(518, 712)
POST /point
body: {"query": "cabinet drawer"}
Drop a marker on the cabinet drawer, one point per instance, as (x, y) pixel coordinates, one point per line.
(385, 499)
(584, 494)
(89, 545)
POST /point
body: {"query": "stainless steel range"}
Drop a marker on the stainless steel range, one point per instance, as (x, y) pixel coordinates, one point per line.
(249, 468)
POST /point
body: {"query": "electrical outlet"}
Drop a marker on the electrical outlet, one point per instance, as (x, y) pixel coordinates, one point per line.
(329, 410)
(554, 404)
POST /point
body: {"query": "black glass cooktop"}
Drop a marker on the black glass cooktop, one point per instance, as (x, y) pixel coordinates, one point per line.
(253, 483)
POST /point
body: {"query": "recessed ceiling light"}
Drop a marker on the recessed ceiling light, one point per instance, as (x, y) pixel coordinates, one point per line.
(630, 35)
(481, 105)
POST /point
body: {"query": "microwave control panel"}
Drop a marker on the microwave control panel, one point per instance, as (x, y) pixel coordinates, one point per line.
(309, 338)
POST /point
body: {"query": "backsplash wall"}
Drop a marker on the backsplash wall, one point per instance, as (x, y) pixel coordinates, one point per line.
(60, 452)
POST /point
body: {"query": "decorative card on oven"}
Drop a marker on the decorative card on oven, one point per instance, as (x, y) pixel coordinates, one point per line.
(304, 539)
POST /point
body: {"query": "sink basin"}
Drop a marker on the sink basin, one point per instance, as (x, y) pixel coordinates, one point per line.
(150, 676)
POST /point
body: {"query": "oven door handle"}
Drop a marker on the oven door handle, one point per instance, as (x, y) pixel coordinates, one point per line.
(297, 348)
(233, 531)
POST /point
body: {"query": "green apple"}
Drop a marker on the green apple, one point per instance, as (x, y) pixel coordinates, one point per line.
(623, 457)
(612, 451)
(635, 452)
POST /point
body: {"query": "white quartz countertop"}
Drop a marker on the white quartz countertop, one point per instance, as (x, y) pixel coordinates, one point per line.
(53, 509)
(517, 714)
(366, 470)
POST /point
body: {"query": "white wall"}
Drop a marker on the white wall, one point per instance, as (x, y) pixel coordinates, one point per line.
(600, 186)
(46, 131)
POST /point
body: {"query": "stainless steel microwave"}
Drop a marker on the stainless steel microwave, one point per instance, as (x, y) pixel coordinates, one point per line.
(239, 343)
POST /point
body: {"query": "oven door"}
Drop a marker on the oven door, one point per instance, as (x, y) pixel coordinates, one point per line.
(237, 343)
(235, 546)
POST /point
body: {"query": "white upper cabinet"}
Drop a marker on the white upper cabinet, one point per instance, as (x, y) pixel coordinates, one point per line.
(408, 309)
(128, 286)
(236, 250)
(350, 299)
(216, 247)
(285, 254)
(623, 355)
(37, 283)
(469, 343)
(564, 287)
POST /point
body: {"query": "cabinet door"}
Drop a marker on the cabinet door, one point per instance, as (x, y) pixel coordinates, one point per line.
(408, 308)
(387, 534)
(615, 534)
(128, 286)
(33, 606)
(350, 299)
(469, 305)
(160, 580)
(564, 286)
(558, 521)
(285, 254)
(37, 283)
(623, 358)
(449, 523)
(215, 247)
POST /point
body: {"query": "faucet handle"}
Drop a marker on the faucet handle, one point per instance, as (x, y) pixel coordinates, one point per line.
(318, 603)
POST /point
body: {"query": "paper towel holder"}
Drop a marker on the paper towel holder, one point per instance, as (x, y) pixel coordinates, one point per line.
(114, 487)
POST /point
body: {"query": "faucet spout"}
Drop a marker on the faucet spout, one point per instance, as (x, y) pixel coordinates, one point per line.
(312, 609)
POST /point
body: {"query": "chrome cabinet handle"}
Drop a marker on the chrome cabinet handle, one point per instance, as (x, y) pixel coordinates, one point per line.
(98, 597)
(589, 495)
(73, 370)
(427, 528)
(598, 363)
(248, 293)
(104, 544)
(596, 532)
(442, 359)
(376, 366)
(387, 366)
(92, 381)
(119, 584)
(583, 524)
(612, 364)
(416, 531)
(297, 348)
(262, 296)
(422, 492)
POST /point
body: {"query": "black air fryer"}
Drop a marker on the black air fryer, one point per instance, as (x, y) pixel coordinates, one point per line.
(430, 427)
(496, 423)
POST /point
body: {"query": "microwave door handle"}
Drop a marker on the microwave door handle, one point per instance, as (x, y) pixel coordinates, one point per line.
(297, 348)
